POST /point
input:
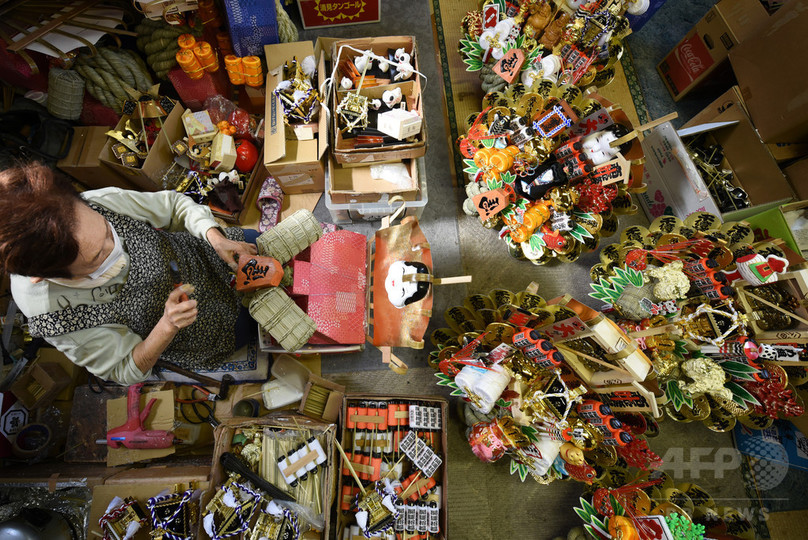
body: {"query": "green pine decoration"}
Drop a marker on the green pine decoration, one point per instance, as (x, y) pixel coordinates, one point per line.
(590, 518)
(684, 529)
(445, 380)
(508, 177)
(609, 290)
(531, 433)
(675, 395)
(741, 395)
(472, 53)
(521, 468)
(739, 370)
(536, 241)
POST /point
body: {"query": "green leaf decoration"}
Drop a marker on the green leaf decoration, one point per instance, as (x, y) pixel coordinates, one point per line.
(627, 277)
(680, 349)
(473, 64)
(598, 523)
(521, 203)
(530, 432)
(588, 507)
(607, 291)
(523, 472)
(591, 531)
(471, 167)
(502, 403)
(579, 233)
(493, 184)
(445, 380)
(531, 58)
(489, 143)
(514, 466)
(470, 47)
(676, 396)
(583, 515)
(508, 212)
(739, 370)
(616, 506)
(503, 6)
(741, 395)
(536, 241)
(508, 177)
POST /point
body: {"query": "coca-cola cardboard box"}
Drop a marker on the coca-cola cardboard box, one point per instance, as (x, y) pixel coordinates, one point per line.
(702, 53)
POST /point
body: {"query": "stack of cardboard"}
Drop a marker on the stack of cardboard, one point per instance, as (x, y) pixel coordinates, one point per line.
(772, 83)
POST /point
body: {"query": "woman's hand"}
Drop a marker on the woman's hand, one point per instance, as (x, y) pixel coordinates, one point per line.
(180, 311)
(228, 249)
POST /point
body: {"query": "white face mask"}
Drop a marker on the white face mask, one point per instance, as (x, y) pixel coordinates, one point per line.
(110, 268)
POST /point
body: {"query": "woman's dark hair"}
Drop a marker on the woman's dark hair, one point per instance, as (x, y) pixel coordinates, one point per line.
(37, 218)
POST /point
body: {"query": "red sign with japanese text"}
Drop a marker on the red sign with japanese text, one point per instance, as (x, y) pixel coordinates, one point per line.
(564, 330)
(320, 13)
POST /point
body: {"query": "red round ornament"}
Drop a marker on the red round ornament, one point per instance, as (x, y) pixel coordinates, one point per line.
(246, 156)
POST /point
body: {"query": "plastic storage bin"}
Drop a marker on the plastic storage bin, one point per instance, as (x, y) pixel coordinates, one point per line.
(346, 213)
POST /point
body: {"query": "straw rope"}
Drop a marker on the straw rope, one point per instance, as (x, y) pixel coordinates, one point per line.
(158, 41)
(287, 31)
(110, 72)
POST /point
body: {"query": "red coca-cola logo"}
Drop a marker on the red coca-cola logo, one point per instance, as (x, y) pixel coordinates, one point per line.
(689, 58)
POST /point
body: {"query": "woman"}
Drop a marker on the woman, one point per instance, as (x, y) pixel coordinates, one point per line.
(91, 273)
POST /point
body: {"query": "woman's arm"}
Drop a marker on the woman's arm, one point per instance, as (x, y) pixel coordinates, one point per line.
(179, 313)
(163, 209)
(114, 352)
(174, 212)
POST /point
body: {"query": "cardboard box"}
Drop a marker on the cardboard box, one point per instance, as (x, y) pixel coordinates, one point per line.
(675, 186)
(249, 195)
(362, 185)
(724, 102)
(279, 420)
(40, 384)
(349, 212)
(797, 175)
(318, 14)
(333, 405)
(440, 446)
(141, 485)
(148, 177)
(297, 165)
(771, 69)
(783, 152)
(251, 99)
(82, 163)
(343, 149)
(701, 54)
